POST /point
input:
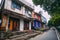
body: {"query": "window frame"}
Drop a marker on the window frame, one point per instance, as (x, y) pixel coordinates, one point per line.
(15, 5)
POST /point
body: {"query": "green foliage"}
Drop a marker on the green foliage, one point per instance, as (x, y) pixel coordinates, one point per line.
(52, 6)
(55, 20)
(36, 2)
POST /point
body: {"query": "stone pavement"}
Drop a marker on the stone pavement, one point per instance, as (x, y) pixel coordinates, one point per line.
(49, 35)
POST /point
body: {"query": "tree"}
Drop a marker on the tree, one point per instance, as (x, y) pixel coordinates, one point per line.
(54, 21)
(52, 6)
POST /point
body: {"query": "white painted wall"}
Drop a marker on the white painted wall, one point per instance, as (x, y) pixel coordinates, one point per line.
(29, 25)
(8, 4)
(23, 10)
(21, 24)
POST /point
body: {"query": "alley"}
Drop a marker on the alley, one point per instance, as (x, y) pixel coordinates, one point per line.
(49, 35)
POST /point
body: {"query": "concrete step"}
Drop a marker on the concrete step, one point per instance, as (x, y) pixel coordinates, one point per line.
(18, 35)
(24, 37)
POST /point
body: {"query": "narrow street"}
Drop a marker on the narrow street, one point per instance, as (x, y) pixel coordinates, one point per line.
(49, 35)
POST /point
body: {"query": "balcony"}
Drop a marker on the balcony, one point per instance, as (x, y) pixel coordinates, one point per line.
(8, 6)
(27, 4)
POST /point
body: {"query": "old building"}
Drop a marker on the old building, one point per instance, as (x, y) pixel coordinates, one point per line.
(15, 15)
(36, 20)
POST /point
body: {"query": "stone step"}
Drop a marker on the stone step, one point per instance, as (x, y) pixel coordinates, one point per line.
(25, 37)
(18, 35)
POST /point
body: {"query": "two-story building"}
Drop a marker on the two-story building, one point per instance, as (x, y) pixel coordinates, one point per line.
(36, 20)
(15, 15)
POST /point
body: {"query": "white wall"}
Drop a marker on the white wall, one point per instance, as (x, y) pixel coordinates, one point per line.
(21, 24)
(8, 4)
(29, 25)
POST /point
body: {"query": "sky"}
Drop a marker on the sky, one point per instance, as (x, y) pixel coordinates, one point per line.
(38, 9)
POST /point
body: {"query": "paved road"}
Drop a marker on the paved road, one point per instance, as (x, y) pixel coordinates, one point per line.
(49, 35)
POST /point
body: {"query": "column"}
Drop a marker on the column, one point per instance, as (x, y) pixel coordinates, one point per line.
(21, 24)
(29, 25)
(23, 10)
(7, 23)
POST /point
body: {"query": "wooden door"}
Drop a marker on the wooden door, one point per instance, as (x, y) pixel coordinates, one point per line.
(11, 25)
(15, 26)
(26, 25)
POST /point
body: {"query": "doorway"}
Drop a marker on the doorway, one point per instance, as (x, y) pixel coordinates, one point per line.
(13, 24)
(26, 25)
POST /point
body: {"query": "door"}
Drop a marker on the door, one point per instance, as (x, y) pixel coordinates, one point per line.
(26, 25)
(10, 25)
(34, 23)
(13, 24)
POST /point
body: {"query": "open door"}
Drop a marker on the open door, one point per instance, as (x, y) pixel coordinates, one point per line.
(26, 25)
(11, 25)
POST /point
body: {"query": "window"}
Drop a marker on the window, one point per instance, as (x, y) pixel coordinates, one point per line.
(26, 10)
(15, 5)
(30, 12)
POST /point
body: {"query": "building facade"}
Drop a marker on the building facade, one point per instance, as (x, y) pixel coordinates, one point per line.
(15, 15)
(36, 20)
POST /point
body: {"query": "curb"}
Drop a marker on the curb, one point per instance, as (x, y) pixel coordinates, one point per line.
(57, 34)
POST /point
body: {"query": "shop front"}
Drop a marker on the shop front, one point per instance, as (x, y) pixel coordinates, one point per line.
(26, 25)
(13, 24)
(8, 23)
(3, 22)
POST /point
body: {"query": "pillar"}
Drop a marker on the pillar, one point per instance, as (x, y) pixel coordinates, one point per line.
(7, 23)
(29, 25)
(21, 24)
